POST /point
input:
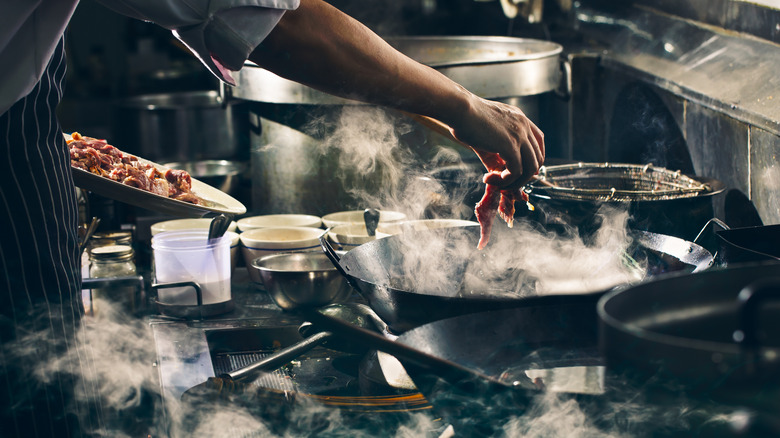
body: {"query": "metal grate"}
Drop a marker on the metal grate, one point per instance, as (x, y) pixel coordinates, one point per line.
(614, 183)
(277, 379)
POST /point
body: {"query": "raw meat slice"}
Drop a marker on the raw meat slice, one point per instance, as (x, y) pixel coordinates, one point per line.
(486, 213)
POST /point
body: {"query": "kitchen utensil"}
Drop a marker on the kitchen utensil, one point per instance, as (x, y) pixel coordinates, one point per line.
(186, 224)
(223, 175)
(488, 66)
(358, 217)
(279, 220)
(301, 279)
(189, 256)
(356, 314)
(349, 236)
(690, 334)
(371, 219)
(182, 126)
(203, 223)
(481, 369)
(88, 232)
(219, 224)
(747, 244)
(326, 318)
(422, 224)
(215, 200)
(376, 270)
(658, 200)
(260, 242)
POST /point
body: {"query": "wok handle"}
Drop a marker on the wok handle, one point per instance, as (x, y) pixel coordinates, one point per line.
(750, 300)
(715, 221)
(334, 258)
(449, 371)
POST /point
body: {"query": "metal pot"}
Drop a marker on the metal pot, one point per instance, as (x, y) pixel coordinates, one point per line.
(581, 189)
(184, 126)
(488, 66)
(224, 175)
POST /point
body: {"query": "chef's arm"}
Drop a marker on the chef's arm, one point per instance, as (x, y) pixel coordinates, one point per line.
(321, 47)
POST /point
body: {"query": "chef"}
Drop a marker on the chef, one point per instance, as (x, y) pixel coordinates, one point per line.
(307, 41)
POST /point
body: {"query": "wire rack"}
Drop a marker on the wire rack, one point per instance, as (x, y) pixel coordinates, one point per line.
(615, 182)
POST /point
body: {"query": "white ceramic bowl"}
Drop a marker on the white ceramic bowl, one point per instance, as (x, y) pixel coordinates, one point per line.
(346, 237)
(261, 242)
(185, 224)
(279, 220)
(356, 217)
(385, 230)
(200, 224)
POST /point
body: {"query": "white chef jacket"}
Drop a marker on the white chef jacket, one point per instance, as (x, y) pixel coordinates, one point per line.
(221, 33)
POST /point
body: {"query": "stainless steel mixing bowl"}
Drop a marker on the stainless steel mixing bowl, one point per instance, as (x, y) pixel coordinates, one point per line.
(301, 279)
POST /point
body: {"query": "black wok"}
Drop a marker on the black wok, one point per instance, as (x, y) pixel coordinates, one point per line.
(745, 244)
(481, 370)
(462, 280)
(714, 334)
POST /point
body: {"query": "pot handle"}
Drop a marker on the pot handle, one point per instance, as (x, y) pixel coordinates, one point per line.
(334, 257)
(750, 299)
(714, 221)
(193, 284)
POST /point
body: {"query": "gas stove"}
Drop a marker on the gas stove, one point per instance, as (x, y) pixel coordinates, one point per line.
(562, 388)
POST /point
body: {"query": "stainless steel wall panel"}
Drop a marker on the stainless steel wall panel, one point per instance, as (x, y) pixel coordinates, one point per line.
(718, 146)
(765, 174)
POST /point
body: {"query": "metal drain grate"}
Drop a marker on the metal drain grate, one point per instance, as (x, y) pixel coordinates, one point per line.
(278, 379)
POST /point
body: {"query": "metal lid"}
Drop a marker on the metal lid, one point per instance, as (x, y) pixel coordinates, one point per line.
(111, 252)
(113, 237)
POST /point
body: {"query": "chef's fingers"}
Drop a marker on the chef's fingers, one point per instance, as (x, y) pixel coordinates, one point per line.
(539, 137)
(522, 163)
(491, 160)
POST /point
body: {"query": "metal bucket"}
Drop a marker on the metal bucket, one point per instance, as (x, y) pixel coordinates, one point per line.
(185, 126)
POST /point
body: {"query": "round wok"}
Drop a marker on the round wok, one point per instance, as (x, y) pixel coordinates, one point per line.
(378, 270)
(482, 369)
(714, 334)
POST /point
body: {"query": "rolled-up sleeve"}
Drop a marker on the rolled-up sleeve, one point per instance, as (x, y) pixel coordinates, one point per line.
(221, 33)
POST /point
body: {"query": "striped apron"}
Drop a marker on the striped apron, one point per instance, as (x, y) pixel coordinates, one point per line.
(40, 280)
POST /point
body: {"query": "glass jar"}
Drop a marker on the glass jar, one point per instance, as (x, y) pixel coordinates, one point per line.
(108, 262)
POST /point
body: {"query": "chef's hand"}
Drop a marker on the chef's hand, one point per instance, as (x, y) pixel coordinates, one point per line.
(510, 146)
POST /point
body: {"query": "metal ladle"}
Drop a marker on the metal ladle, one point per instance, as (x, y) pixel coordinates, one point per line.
(371, 218)
(88, 232)
(355, 314)
(218, 226)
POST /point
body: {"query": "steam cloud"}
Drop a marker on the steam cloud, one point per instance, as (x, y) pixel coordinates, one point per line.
(525, 260)
(377, 167)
